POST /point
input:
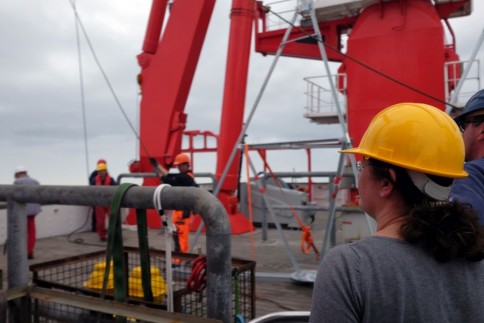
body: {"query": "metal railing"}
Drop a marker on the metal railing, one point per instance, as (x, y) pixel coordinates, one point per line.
(211, 176)
(218, 243)
(453, 74)
(279, 8)
(319, 95)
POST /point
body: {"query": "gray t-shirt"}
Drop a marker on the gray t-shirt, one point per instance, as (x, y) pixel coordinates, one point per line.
(381, 279)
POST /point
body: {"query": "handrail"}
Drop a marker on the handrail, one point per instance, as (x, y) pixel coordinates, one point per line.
(218, 243)
(143, 175)
(318, 95)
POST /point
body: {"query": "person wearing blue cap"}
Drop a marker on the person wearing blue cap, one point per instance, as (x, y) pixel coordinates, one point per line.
(470, 190)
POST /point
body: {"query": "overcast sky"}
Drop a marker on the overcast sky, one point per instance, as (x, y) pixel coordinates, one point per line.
(41, 123)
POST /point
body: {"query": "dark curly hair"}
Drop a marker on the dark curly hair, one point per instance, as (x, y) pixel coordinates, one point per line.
(445, 229)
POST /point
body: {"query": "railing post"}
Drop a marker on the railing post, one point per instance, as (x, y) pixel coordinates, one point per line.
(17, 264)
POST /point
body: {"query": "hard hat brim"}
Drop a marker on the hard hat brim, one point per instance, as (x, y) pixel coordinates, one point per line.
(359, 151)
(417, 137)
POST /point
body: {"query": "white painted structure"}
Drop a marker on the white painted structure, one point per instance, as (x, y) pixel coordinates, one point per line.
(54, 220)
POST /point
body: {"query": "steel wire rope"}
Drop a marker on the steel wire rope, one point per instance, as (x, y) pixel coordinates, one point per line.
(81, 240)
(78, 23)
(81, 85)
(83, 109)
(106, 79)
(279, 304)
(374, 70)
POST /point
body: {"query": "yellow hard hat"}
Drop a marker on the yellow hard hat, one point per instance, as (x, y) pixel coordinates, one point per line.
(181, 159)
(415, 136)
(101, 167)
(96, 278)
(158, 286)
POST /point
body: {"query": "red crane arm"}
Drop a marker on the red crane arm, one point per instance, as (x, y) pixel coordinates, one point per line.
(168, 67)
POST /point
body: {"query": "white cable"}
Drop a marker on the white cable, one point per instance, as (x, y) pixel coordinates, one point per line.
(157, 198)
(166, 220)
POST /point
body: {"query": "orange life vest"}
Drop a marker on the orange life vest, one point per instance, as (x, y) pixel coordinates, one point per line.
(107, 180)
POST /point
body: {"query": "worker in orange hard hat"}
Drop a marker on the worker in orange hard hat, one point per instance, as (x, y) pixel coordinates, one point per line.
(180, 218)
(102, 212)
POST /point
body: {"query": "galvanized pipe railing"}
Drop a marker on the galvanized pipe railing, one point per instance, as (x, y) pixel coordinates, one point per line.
(218, 243)
(212, 176)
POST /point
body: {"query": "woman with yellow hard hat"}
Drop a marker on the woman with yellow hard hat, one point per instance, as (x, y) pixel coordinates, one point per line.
(424, 263)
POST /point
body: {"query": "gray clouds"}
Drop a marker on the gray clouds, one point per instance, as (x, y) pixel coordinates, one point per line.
(41, 122)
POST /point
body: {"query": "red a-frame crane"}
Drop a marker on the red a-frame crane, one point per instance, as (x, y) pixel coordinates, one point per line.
(168, 66)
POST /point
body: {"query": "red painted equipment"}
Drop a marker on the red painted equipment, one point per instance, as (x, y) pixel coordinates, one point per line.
(395, 52)
(168, 66)
(242, 19)
(402, 39)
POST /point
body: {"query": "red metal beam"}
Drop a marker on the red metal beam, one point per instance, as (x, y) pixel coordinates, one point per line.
(167, 76)
(168, 66)
(268, 42)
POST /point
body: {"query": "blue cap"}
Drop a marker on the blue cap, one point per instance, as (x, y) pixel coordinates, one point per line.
(475, 103)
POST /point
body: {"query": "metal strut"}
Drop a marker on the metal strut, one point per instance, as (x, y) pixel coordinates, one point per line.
(248, 120)
(306, 6)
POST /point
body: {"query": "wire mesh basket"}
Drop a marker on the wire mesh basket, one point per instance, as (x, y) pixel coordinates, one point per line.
(84, 274)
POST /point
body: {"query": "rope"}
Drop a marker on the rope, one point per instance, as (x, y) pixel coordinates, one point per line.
(197, 281)
(81, 84)
(106, 79)
(307, 242)
(280, 305)
(374, 70)
(81, 240)
(157, 198)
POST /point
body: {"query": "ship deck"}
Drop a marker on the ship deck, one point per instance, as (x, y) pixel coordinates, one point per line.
(275, 291)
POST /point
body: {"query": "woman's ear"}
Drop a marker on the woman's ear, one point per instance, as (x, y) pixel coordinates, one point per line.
(387, 186)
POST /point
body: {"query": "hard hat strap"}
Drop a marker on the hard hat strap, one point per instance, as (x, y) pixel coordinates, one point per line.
(429, 187)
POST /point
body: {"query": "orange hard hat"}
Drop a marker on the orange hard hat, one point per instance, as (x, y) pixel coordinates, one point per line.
(181, 159)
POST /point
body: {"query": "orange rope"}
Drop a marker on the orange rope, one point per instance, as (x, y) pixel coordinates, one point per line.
(307, 241)
(249, 200)
(307, 237)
